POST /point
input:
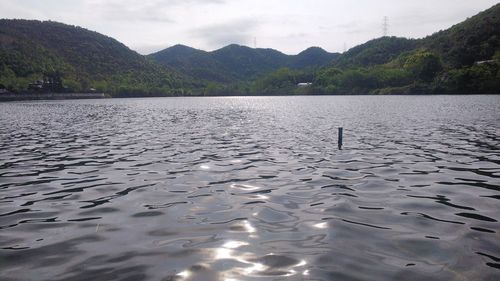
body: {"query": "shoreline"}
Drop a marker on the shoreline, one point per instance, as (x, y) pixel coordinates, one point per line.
(50, 96)
(6, 97)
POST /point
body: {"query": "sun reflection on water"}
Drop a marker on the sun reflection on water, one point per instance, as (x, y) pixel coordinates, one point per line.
(184, 274)
(249, 227)
(247, 264)
(204, 167)
(246, 187)
(321, 225)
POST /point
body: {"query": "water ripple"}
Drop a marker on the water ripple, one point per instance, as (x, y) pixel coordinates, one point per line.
(253, 188)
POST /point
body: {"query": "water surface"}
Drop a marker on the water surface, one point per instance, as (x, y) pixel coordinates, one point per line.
(251, 188)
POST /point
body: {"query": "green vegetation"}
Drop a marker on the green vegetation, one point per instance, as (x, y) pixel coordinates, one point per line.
(464, 59)
(375, 52)
(31, 50)
(234, 63)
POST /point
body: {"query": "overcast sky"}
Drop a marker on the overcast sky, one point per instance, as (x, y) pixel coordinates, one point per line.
(289, 26)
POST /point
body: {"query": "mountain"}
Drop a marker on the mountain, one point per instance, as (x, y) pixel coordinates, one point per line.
(237, 63)
(31, 50)
(313, 57)
(192, 62)
(376, 51)
(475, 39)
(464, 59)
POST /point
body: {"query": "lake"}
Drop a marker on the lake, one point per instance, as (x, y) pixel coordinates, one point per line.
(251, 188)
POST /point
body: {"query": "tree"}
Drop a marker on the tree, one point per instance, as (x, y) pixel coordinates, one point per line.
(424, 65)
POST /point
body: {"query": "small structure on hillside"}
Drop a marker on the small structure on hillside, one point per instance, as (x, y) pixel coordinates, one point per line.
(38, 85)
(49, 84)
(484, 62)
(306, 84)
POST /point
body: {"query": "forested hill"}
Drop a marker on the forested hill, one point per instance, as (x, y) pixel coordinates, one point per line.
(31, 50)
(464, 59)
(374, 52)
(238, 63)
(475, 39)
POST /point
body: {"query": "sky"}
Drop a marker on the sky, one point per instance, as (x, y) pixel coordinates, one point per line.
(286, 25)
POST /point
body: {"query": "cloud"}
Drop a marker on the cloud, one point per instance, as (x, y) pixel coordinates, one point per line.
(146, 49)
(218, 35)
(297, 35)
(140, 10)
(148, 25)
(347, 25)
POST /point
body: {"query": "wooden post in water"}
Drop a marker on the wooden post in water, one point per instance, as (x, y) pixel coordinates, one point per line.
(341, 136)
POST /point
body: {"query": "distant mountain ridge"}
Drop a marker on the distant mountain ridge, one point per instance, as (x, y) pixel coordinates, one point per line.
(237, 63)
